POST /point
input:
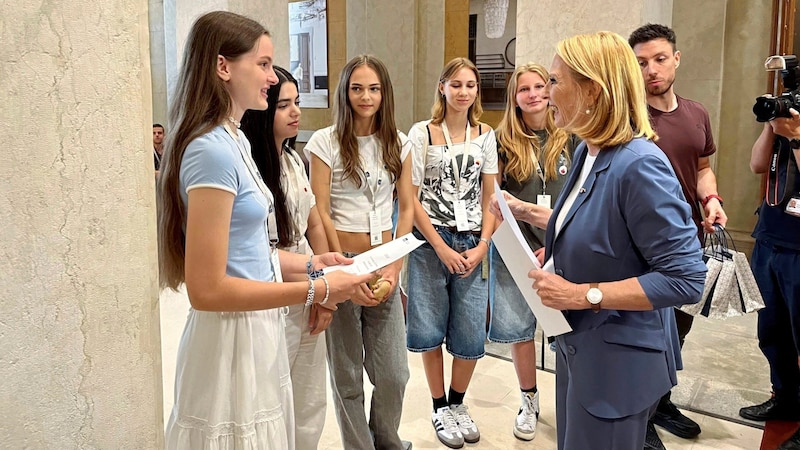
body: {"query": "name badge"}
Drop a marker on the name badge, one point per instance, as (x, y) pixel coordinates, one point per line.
(793, 207)
(460, 210)
(543, 200)
(375, 232)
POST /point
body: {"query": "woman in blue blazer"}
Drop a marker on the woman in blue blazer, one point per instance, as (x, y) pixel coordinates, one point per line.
(623, 249)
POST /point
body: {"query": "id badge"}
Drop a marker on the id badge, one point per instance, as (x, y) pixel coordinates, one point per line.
(375, 232)
(276, 265)
(793, 206)
(460, 210)
(544, 200)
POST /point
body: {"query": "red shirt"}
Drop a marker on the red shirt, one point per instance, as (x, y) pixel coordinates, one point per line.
(685, 137)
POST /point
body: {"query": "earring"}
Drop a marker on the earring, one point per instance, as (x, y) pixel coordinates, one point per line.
(588, 111)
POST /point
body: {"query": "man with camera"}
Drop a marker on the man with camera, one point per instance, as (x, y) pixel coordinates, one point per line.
(684, 132)
(776, 265)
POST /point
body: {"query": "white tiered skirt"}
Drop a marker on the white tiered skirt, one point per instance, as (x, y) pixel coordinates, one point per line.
(232, 385)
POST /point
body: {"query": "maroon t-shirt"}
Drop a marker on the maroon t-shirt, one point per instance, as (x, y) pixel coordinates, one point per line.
(685, 137)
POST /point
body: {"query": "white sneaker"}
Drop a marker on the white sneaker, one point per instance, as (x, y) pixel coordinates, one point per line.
(465, 424)
(444, 422)
(528, 417)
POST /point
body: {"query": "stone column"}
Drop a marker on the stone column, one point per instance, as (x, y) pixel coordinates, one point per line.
(80, 359)
(429, 53)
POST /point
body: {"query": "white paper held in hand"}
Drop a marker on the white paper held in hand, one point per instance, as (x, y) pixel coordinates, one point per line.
(380, 256)
(509, 240)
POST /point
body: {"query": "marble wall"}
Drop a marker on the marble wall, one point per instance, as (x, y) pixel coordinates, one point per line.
(81, 357)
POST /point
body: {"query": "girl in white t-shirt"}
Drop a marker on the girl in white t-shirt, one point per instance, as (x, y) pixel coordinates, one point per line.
(272, 134)
(232, 386)
(356, 166)
(455, 168)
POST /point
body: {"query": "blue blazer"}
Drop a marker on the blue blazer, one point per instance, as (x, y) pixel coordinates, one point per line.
(630, 219)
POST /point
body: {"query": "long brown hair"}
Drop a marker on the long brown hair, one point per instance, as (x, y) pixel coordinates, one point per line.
(385, 127)
(439, 107)
(516, 139)
(201, 103)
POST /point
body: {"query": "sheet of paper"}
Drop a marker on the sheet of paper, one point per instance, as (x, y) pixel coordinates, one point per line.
(380, 256)
(509, 240)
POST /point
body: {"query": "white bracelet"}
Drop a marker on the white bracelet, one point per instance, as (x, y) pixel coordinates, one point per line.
(327, 290)
(310, 297)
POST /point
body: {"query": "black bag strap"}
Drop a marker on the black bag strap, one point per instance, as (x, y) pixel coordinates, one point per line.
(773, 197)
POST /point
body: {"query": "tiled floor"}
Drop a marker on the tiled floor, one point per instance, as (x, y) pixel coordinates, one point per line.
(724, 372)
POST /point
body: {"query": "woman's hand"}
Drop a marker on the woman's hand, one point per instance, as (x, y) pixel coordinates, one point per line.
(539, 254)
(556, 292)
(391, 273)
(474, 257)
(347, 286)
(319, 319)
(455, 262)
(329, 259)
(518, 208)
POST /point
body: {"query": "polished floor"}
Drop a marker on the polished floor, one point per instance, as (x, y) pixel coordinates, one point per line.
(724, 370)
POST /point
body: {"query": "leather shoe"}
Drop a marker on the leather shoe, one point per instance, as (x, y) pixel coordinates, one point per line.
(668, 417)
(651, 440)
(772, 409)
(793, 443)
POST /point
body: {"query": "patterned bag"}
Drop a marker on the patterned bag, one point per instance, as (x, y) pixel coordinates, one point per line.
(730, 289)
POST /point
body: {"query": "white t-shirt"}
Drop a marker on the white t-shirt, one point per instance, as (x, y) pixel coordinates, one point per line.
(299, 198)
(437, 181)
(351, 205)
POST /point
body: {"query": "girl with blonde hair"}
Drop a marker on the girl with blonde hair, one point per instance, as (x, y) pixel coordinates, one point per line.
(454, 169)
(534, 160)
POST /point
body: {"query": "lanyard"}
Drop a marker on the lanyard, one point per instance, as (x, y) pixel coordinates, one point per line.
(457, 171)
(272, 225)
(541, 176)
(373, 191)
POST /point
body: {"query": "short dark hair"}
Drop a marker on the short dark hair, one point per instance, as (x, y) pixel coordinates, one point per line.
(652, 31)
(158, 125)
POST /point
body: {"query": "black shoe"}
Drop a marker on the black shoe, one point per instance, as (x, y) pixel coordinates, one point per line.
(651, 439)
(793, 443)
(669, 418)
(772, 409)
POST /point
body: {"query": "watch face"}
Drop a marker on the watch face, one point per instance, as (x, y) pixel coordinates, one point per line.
(594, 296)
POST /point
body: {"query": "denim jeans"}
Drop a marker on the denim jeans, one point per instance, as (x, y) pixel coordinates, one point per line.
(443, 307)
(511, 318)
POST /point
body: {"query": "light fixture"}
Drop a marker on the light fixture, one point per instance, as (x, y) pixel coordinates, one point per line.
(495, 12)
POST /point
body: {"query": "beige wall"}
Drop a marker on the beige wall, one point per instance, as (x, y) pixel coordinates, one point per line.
(81, 359)
(540, 25)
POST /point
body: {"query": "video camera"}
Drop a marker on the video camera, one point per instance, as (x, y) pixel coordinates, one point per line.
(769, 107)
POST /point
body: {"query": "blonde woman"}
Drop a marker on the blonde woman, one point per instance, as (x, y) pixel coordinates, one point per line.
(455, 170)
(534, 159)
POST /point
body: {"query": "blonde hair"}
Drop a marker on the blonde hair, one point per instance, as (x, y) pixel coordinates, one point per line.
(516, 139)
(620, 112)
(439, 108)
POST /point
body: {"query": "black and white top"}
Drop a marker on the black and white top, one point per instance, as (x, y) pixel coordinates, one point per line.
(433, 173)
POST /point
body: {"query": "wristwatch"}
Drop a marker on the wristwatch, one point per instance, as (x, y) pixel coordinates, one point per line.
(594, 297)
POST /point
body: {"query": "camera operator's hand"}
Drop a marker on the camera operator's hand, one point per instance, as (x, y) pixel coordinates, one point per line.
(787, 127)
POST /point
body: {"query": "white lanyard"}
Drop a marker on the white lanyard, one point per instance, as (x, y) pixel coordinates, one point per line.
(272, 223)
(373, 191)
(292, 175)
(456, 169)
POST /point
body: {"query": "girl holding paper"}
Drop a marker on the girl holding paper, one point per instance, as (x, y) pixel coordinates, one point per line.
(272, 134)
(455, 168)
(356, 165)
(534, 159)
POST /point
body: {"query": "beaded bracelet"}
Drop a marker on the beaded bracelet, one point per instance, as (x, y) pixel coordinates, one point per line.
(310, 297)
(327, 290)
